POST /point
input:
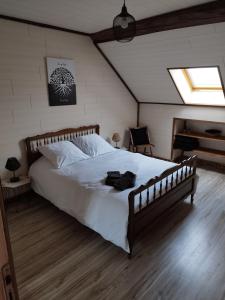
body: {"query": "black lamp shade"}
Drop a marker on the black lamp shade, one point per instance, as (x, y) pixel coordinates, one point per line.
(124, 26)
(12, 164)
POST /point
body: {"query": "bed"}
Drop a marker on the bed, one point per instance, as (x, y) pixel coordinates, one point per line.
(79, 189)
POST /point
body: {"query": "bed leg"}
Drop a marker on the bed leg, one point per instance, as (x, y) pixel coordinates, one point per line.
(192, 198)
(130, 255)
(131, 246)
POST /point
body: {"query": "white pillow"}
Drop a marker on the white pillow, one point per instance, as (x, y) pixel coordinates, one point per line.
(93, 144)
(62, 153)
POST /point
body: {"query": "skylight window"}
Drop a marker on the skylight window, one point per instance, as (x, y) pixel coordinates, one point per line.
(200, 86)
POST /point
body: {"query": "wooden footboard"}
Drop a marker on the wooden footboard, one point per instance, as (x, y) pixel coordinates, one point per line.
(161, 192)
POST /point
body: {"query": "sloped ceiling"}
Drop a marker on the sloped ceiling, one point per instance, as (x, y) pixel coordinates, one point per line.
(143, 62)
(87, 15)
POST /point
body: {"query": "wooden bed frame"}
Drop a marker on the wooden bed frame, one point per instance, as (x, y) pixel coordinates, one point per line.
(172, 186)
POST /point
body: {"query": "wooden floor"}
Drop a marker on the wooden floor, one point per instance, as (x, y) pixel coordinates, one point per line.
(181, 257)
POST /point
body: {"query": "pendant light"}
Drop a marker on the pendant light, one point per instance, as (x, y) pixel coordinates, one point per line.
(124, 26)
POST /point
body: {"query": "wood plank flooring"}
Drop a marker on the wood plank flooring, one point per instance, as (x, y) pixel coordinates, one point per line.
(181, 257)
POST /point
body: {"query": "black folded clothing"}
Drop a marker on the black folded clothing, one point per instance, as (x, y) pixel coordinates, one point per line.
(121, 182)
(112, 179)
(126, 181)
(114, 174)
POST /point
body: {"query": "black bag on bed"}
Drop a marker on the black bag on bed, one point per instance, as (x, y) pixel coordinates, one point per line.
(121, 182)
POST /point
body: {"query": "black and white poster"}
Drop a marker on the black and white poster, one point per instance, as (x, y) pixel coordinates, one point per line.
(61, 81)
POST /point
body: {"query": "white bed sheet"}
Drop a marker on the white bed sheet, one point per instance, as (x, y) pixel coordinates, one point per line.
(79, 189)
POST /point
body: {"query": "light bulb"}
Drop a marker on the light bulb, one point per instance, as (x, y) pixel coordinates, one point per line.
(124, 23)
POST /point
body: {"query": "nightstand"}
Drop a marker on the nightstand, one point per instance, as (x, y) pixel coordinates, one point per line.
(14, 189)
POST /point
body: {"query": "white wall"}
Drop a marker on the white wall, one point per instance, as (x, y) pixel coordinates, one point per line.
(24, 109)
(159, 119)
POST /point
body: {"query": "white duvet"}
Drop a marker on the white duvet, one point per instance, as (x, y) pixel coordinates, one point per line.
(79, 189)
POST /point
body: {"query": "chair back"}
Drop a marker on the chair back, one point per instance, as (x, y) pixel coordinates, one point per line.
(139, 136)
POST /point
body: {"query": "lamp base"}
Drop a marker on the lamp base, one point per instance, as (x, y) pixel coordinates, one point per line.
(14, 179)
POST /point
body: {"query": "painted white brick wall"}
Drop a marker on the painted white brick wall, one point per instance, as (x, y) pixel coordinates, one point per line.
(24, 109)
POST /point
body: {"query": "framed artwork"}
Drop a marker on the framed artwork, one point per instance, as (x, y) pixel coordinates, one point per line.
(61, 81)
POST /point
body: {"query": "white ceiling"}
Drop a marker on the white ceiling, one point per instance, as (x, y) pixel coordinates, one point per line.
(87, 15)
(143, 62)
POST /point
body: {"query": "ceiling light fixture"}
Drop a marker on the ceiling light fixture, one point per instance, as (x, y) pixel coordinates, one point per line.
(124, 26)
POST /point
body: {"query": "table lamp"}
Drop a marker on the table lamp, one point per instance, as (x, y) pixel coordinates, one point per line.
(12, 165)
(116, 138)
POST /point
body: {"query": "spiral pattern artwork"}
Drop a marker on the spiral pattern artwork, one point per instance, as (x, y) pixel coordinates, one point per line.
(62, 81)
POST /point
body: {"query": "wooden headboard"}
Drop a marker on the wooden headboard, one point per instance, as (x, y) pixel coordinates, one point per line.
(67, 134)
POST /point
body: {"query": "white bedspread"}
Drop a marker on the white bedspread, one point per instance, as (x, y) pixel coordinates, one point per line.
(79, 190)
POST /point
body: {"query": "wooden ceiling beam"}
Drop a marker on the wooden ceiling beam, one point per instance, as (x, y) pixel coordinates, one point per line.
(203, 14)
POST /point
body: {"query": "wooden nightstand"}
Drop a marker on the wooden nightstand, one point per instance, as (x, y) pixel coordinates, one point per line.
(14, 189)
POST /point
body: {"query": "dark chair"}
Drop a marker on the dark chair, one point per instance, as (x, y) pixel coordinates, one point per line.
(140, 141)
